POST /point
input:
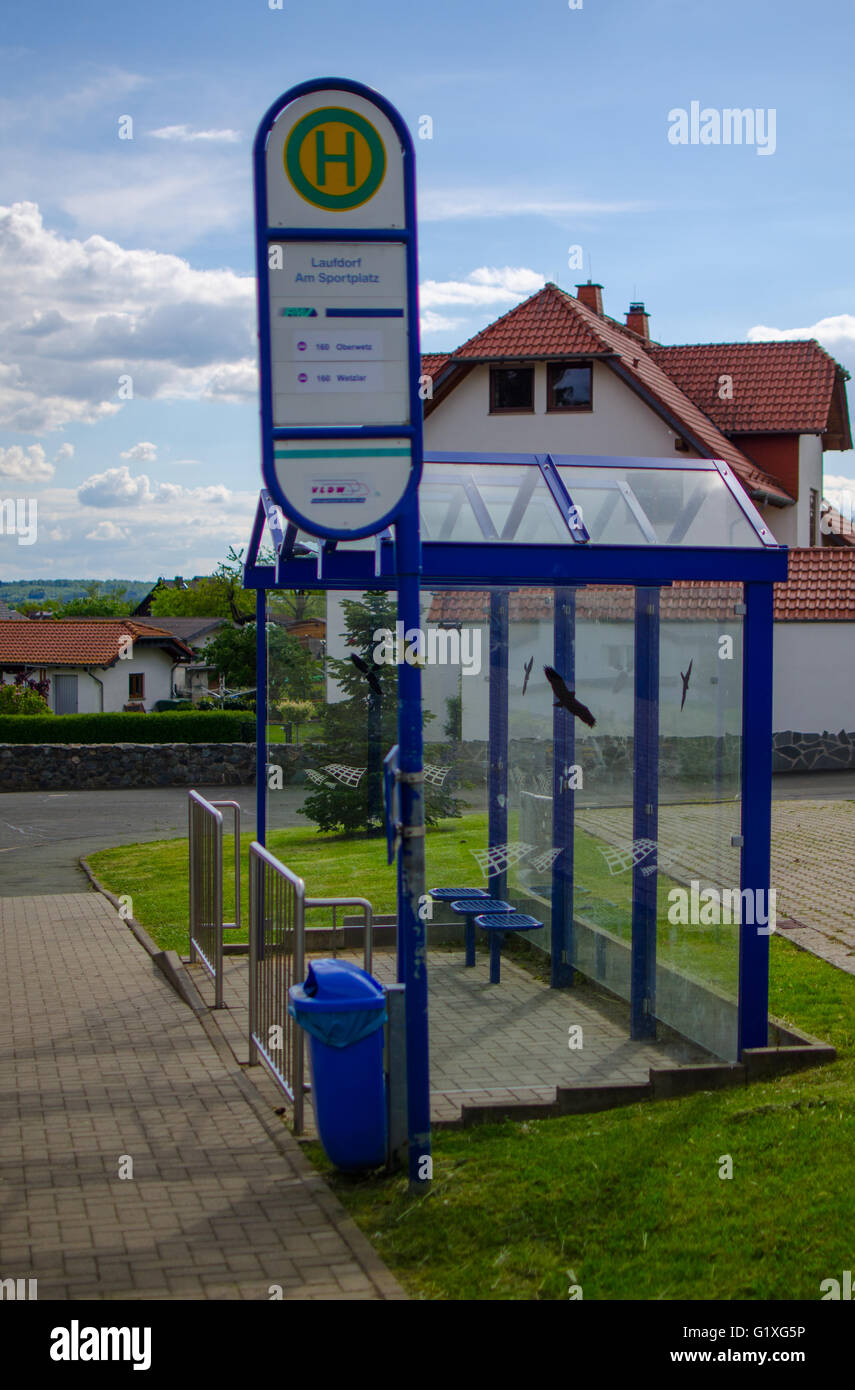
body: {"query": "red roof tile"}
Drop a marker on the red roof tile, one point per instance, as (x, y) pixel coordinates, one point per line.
(820, 588)
(778, 388)
(76, 641)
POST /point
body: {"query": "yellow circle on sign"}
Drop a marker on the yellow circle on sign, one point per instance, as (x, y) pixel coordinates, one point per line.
(335, 159)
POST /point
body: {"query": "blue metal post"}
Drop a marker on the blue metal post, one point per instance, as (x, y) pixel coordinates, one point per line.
(412, 931)
(497, 772)
(563, 794)
(645, 812)
(756, 810)
(261, 716)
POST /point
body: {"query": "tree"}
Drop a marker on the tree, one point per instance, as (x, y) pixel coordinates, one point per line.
(292, 672)
(359, 730)
(95, 606)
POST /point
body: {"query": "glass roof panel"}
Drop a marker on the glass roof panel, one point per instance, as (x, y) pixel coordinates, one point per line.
(517, 499)
(672, 505)
(489, 502)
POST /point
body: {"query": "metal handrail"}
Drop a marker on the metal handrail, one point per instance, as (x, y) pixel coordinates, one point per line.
(233, 926)
(277, 960)
(273, 968)
(367, 919)
(205, 848)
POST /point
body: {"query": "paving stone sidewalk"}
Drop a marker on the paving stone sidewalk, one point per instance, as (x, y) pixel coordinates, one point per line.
(99, 1058)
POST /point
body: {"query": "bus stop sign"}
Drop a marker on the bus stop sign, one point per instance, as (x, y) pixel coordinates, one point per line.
(337, 308)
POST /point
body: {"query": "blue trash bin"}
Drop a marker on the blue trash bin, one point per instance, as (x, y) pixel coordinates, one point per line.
(343, 1010)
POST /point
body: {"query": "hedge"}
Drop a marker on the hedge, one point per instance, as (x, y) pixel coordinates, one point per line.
(176, 726)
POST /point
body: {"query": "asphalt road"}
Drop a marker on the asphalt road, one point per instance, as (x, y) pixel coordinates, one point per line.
(44, 834)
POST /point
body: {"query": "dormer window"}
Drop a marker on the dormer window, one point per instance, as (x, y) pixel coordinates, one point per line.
(511, 389)
(569, 386)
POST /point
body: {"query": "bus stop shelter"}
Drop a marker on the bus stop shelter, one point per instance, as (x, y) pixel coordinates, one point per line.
(647, 585)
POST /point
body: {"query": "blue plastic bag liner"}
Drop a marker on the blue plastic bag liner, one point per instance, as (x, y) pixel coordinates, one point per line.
(338, 1003)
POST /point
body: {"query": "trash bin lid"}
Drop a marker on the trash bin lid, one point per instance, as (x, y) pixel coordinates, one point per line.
(337, 986)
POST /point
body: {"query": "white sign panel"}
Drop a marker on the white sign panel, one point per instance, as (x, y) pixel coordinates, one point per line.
(338, 321)
(338, 485)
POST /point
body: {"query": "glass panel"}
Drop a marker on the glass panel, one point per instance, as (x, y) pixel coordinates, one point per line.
(605, 673)
(670, 506)
(700, 750)
(509, 502)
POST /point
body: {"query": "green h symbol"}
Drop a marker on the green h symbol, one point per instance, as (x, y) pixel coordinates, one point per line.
(348, 158)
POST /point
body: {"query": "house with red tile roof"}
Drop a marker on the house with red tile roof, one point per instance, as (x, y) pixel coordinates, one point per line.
(94, 664)
(557, 374)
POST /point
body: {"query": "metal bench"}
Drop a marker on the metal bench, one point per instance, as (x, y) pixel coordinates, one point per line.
(470, 908)
(497, 923)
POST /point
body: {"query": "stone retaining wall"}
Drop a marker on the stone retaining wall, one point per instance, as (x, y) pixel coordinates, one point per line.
(85, 767)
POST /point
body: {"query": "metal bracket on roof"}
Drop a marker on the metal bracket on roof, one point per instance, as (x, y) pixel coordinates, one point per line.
(275, 520)
(382, 538)
(744, 502)
(570, 515)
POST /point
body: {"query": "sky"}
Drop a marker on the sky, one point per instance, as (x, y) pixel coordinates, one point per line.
(553, 127)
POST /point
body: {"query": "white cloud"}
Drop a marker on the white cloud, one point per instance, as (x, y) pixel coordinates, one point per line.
(431, 322)
(63, 453)
(186, 136)
(144, 452)
(118, 487)
(25, 465)
(445, 205)
(107, 531)
(836, 334)
(75, 316)
(486, 286)
(115, 488)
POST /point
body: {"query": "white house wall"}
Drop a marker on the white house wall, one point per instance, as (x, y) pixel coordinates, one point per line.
(620, 423)
(152, 662)
(814, 677)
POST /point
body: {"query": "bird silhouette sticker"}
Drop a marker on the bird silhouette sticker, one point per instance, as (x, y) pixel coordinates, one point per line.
(369, 672)
(566, 699)
(527, 668)
(685, 677)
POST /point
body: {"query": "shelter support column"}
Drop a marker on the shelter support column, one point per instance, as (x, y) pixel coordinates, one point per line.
(756, 814)
(261, 716)
(497, 752)
(412, 930)
(645, 813)
(563, 794)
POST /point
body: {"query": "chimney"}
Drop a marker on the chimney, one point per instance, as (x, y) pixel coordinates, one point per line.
(591, 296)
(636, 319)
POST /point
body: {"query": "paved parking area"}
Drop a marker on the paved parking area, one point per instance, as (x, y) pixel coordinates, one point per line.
(105, 1072)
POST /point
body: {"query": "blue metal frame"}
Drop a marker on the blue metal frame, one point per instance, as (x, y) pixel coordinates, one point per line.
(476, 565)
(497, 775)
(563, 796)
(406, 236)
(756, 808)
(645, 812)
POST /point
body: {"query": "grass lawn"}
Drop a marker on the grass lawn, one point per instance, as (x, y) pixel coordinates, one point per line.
(627, 1204)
